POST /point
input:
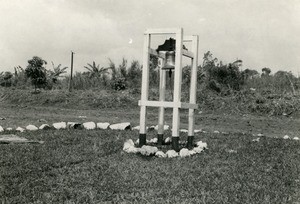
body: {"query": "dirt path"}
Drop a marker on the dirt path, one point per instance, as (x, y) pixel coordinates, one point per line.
(269, 126)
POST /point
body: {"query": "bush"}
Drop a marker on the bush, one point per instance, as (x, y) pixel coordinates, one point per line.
(37, 72)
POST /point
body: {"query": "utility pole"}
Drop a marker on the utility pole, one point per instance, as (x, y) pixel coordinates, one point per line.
(70, 82)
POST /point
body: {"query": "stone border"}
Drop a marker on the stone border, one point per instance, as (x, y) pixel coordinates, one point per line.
(116, 126)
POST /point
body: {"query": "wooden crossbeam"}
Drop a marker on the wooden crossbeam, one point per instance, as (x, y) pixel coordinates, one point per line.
(163, 31)
(168, 104)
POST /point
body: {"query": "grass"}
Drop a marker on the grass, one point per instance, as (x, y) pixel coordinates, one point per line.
(79, 166)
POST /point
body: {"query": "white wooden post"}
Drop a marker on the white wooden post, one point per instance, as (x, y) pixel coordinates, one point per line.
(145, 89)
(162, 92)
(177, 90)
(193, 91)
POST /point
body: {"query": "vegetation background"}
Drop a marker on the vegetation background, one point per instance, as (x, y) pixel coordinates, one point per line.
(221, 87)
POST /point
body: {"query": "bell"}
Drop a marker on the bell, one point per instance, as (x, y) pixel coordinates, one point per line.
(169, 60)
(168, 48)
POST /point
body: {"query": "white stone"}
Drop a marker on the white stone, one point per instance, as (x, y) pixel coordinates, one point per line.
(225, 133)
(216, 132)
(184, 152)
(256, 140)
(192, 152)
(1, 129)
(166, 127)
(296, 138)
(160, 154)
(171, 153)
(129, 147)
(184, 130)
(148, 150)
(153, 140)
(9, 129)
(132, 150)
(103, 126)
(20, 129)
(136, 128)
(196, 131)
(89, 125)
(127, 144)
(198, 149)
(60, 125)
(182, 142)
(31, 127)
(286, 137)
(168, 140)
(201, 144)
(232, 151)
(120, 126)
(260, 134)
(44, 126)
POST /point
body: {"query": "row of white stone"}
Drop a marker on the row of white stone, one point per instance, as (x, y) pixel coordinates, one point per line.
(106, 125)
(89, 126)
(64, 125)
(148, 150)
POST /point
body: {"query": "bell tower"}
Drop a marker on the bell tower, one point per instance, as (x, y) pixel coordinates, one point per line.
(170, 59)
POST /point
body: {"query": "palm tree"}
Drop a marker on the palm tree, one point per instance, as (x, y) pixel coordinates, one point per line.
(95, 70)
(57, 71)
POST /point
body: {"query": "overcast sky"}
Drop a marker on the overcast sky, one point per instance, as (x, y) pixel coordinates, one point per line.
(263, 33)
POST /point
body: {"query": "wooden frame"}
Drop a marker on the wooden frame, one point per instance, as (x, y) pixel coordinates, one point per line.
(176, 104)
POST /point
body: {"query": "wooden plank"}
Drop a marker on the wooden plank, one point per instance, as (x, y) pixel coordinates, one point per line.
(177, 83)
(145, 82)
(193, 88)
(162, 93)
(161, 31)
(168, 104)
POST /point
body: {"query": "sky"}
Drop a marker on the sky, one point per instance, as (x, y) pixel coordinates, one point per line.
(262, 33)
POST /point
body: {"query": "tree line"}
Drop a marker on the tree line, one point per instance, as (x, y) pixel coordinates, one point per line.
(213, 75)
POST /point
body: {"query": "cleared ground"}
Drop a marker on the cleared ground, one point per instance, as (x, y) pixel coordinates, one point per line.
(18, 115)
(80, 166)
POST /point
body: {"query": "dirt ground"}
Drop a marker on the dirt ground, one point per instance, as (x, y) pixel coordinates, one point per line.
(249, 124)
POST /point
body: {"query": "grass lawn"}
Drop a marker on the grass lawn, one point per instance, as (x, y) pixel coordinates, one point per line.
(81, 166)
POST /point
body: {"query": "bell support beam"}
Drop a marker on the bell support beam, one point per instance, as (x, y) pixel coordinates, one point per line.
(163, 31)
(168, 104)
(177, 90)
(162, 93)
(193, 92)
(145, 89)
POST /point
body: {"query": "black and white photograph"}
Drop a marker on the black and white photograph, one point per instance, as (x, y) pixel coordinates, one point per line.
(149, 101)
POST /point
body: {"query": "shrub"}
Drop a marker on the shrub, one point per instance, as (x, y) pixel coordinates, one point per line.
(36, 72)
